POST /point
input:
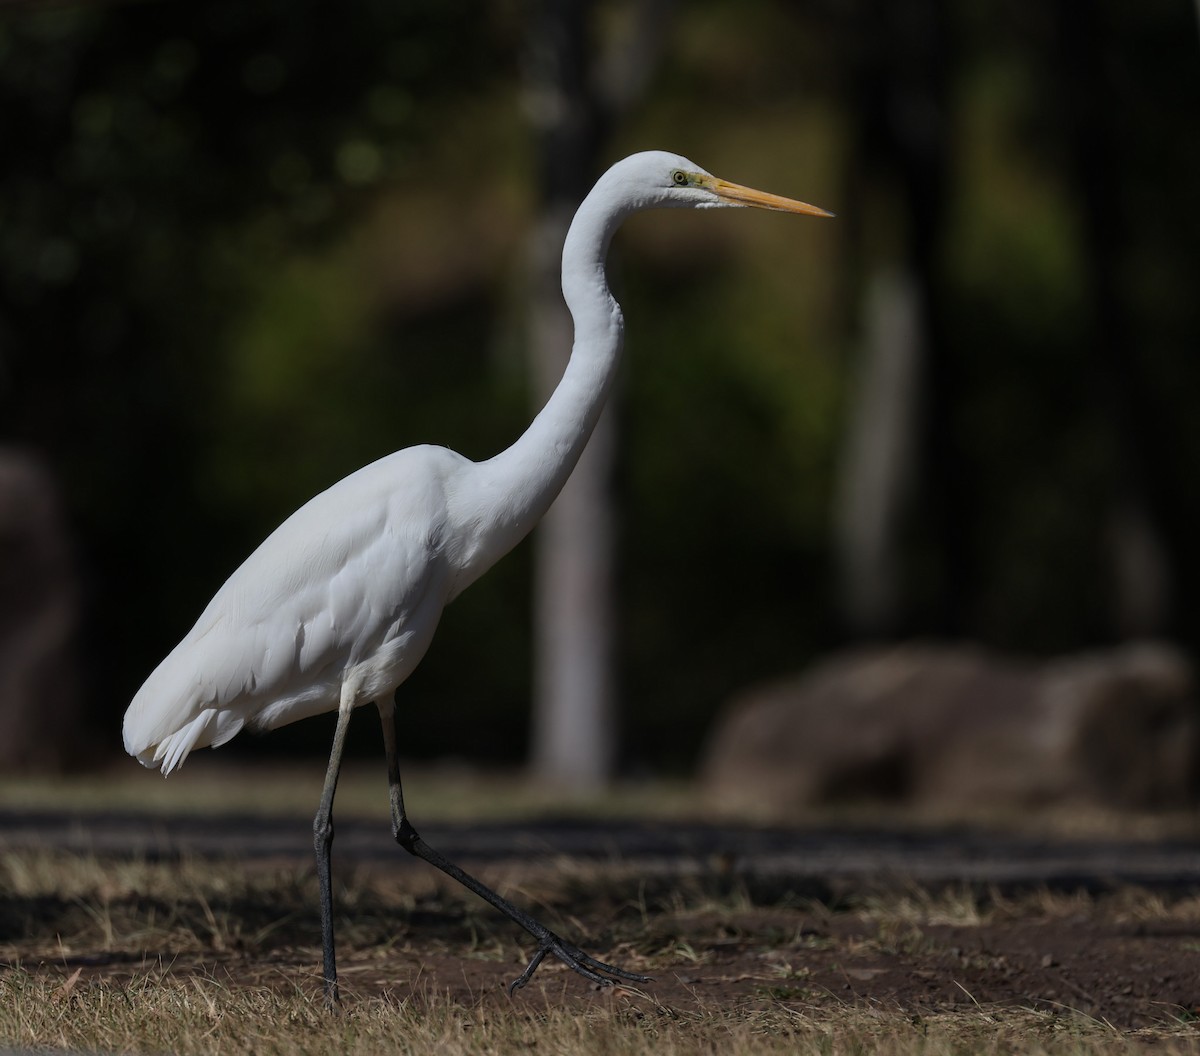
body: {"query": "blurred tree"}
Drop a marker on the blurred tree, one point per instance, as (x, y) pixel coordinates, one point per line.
(246, 247)
(575, 93)
(574, 721)
(1066, 271)
(1024, 147)
(1141, 518)
(142, 142)
(902, 446)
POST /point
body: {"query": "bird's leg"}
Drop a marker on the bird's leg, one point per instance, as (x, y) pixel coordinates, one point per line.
(548, 942)
(323, 843)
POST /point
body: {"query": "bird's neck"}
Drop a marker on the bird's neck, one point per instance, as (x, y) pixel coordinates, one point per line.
(511, 492)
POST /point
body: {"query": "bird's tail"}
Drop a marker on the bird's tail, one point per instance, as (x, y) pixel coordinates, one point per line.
(211, 727)
(160, 728)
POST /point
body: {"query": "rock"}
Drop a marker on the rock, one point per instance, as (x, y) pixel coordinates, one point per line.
(40, 706)
(946, 726)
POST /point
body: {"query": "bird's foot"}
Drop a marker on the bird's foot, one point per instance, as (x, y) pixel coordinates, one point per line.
(574, 958)
(333, 999)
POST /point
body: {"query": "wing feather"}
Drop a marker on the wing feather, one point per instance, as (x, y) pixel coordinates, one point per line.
(329, 589)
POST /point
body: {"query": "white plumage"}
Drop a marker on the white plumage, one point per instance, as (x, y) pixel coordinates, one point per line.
(352, 584)
(339, 604)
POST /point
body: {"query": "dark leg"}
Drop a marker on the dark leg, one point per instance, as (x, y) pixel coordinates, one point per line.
(548, 942)
(323, 842)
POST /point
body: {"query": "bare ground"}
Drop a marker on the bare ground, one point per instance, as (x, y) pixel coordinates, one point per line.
(916, 923)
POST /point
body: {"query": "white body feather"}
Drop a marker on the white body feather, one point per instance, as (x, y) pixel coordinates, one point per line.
(352, 584)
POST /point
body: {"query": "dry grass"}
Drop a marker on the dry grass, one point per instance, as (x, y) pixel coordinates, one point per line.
(201, 957)
(159, 1011)
(211, 784)
(118, 954)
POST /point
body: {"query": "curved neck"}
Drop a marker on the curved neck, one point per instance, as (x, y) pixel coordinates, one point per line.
(509, 493)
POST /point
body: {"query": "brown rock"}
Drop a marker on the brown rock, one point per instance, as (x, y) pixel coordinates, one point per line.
(959, 726)
(40, 707)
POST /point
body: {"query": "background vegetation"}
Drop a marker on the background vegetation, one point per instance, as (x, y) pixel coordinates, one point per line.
(247, 246)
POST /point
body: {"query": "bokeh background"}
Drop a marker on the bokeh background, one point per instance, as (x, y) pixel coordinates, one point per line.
(247, 246)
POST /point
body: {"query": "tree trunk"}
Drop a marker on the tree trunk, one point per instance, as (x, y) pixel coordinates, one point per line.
(1148, 538)
(878, 463)
(902, 431)
(573, 706)
(573, 96)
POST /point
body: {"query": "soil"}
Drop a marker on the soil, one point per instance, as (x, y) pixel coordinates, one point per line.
(1092, 960)
(917, 922)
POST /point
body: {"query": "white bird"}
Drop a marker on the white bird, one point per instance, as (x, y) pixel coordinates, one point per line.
(338, 605)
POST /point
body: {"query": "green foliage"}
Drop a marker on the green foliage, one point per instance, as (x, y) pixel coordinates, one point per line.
(161, 160)
(729, 423)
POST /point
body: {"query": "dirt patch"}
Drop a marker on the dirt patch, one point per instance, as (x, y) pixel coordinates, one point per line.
(1087, 956)
(1129, 958)
(710, 930)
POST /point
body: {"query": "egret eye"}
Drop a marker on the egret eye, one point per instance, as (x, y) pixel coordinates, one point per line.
(679, 178)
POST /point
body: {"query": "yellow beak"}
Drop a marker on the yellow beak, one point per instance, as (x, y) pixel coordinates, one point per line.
(736, 194)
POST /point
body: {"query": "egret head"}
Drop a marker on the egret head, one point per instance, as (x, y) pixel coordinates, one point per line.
(658, 178)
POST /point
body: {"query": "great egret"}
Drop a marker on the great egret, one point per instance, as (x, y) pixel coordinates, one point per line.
(340, 602)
